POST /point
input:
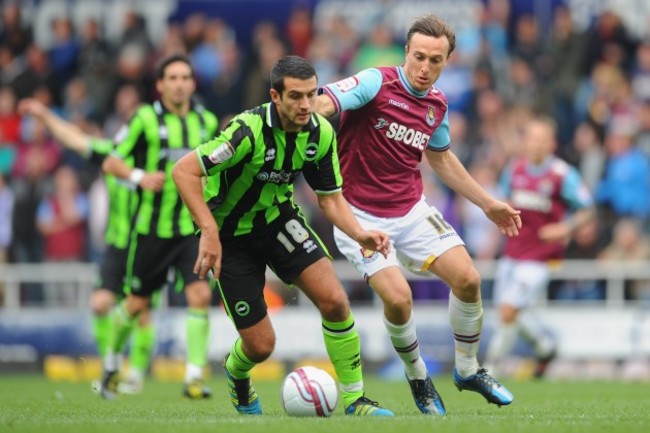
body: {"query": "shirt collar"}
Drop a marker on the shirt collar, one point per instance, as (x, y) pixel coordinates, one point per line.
(273, 119)
(160, 108)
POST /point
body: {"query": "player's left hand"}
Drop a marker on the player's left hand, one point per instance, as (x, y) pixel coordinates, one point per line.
(505, 217)
(375, 240)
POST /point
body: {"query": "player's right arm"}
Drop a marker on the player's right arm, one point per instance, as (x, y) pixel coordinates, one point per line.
(66, 133)
(350, 93)
(187, 174)
(131, 139)
(210, 158)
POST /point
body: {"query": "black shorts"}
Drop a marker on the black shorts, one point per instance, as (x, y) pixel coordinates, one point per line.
(288, 247)
(150, 258)
(111, 270)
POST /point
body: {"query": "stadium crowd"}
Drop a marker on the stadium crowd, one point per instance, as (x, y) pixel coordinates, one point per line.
(595, 83)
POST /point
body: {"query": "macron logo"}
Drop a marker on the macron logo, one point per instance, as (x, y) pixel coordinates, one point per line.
(401, 105)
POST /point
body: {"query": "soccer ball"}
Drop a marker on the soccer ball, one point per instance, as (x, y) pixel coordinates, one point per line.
(309, 391)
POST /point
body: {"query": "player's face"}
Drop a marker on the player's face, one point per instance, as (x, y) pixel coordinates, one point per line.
(426, 57)
(177, 86)
(538, 141)
(296, 103)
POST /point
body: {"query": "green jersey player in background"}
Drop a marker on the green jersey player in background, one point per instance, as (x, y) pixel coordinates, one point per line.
(110, 283)
(162, 234)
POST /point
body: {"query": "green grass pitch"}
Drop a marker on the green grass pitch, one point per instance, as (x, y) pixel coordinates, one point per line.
(33, 404)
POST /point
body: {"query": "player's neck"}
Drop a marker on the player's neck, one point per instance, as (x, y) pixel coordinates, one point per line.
(180, 110)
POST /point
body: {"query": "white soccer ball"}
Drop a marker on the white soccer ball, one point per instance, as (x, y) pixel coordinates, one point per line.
(309, 391)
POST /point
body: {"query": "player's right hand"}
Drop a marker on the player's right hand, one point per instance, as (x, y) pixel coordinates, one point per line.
(209, 257)
(31, 106)
(153, 181)
(375, 240)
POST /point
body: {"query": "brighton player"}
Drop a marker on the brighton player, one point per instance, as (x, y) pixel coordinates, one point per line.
(554, 202)
(391, 117)
(248, 220)
(110, 285)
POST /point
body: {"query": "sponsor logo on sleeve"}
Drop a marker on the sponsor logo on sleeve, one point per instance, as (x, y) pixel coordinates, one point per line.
(121, 134)
(347, 84)
(221, 154)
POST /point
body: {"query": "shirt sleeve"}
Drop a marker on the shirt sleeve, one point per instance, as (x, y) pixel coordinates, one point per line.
(324, 173)
(440, 139)
(355, 91)
(130, 138)
(504, 181)
(226, 149)
(574, 191)
(99, 149)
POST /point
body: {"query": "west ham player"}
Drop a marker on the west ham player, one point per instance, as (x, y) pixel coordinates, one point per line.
(554, 202)
(391, 116)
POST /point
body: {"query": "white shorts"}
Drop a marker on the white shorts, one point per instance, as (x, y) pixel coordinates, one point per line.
(417, 238)
(519, 282)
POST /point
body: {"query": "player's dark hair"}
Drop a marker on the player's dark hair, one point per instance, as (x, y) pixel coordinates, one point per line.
(162, 66)
(431, 25)
(290, 66)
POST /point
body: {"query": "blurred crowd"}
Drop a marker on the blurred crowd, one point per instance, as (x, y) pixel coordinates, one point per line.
(594, 82)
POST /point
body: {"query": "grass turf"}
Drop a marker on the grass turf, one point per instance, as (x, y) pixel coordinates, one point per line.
(33, 404)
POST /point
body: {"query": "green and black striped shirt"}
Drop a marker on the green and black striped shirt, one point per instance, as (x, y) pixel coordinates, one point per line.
(156, 139)
(252, 164)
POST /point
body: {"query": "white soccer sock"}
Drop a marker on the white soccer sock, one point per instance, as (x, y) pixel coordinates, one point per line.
(112, 360)
(192, 372)
(136, 374)
(466, 322)
(533, 331)
(405, 342)
(501, 344)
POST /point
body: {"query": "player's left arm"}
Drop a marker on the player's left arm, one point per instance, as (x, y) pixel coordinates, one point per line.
(446, 165)
(337, 211)
(453, 173)
(576, 195)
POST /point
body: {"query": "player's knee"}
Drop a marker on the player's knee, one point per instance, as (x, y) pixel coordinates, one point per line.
(261, 349)
(198, 295)
(468, 283)
(101, 302)
(399, 302)
(335, 306)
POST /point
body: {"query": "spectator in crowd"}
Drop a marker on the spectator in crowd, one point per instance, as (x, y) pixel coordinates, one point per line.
(586, 243)
(625, 188)
(61, 218)
(6, 214)
(95, 65)
(629, 244)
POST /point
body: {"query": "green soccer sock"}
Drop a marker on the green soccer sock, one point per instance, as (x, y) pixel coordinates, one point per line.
(238, 364)
(197, 328)
(101, 332)
(123, 325)
(143, 340)
(344, 349)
